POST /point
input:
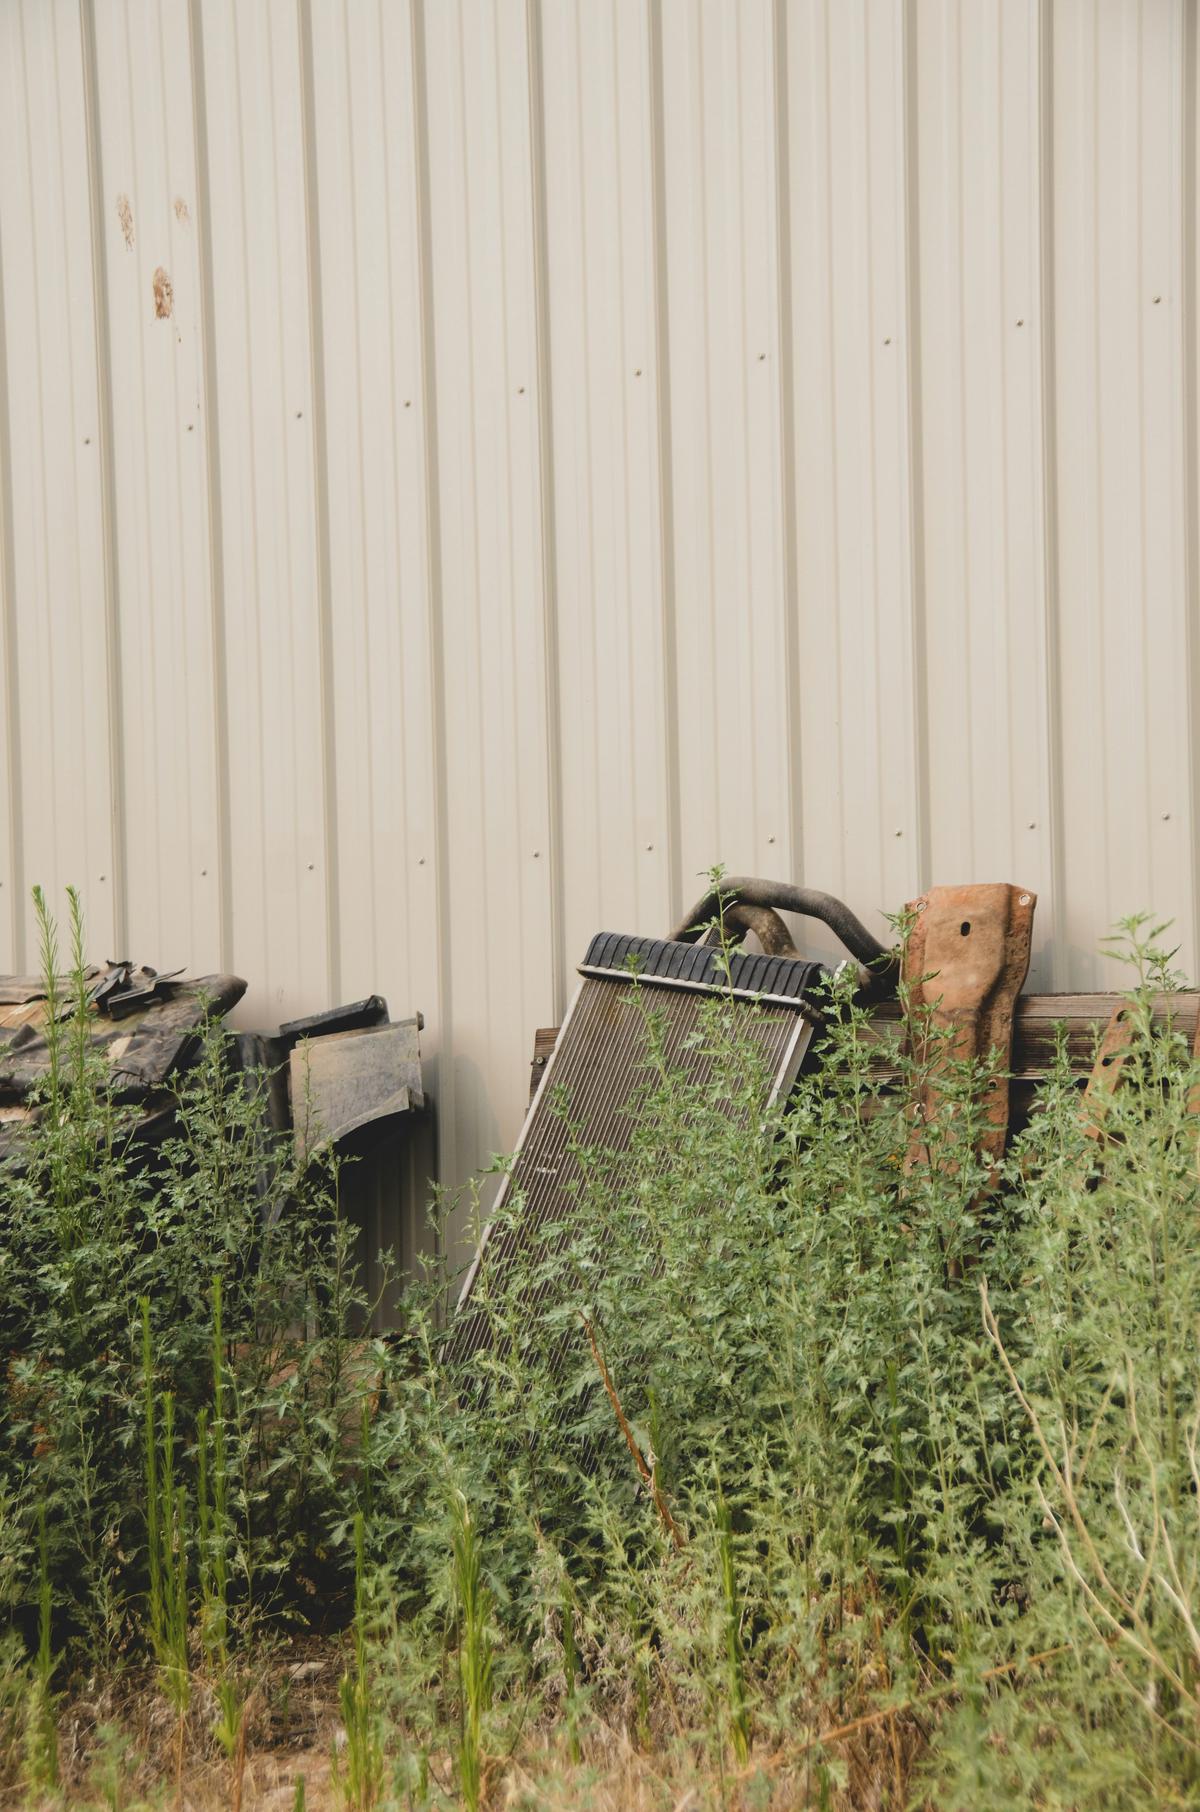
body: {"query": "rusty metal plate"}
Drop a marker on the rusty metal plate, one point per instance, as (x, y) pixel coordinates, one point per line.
(964, 965)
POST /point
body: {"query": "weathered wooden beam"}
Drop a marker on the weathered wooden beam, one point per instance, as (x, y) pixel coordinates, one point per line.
(1035, 1022)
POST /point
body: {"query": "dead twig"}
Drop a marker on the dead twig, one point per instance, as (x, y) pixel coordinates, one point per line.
(1139, 1637)
(239, 1763)
(992, 1329)
(639, 1458)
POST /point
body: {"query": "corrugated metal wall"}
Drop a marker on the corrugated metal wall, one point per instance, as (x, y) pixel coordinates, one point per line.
(468, 465)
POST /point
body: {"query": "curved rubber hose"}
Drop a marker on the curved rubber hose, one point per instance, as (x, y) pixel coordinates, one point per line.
(784, 897)
(765, 923)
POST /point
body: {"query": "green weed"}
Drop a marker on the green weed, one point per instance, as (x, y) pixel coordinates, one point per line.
(363, 1775)
(474, 1650)
(41, 1762)
(899, 1507)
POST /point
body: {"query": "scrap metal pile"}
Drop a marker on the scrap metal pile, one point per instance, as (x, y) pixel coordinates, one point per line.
(344, 1078)
(339, 1078)
(963, 966)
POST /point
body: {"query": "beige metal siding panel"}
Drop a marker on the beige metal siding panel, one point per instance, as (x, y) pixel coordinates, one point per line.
(383, 722)
(58, 557)
(1165, 230)
(858, 636)
(272, 631)
(1189, 319)
(600, 227)
(726, 445)
(590, 439)
(498, 916)
(12, 884)
(977, 104)
(155, 351)
(1126, 808)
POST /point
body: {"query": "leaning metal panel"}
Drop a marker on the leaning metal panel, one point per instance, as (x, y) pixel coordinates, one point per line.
(598, 1065)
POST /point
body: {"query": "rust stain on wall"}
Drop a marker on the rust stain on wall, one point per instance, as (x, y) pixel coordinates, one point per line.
(125, 216)
(182, 214)
(164, 295)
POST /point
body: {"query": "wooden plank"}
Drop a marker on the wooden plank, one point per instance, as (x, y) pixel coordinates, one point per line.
(1035, 1026)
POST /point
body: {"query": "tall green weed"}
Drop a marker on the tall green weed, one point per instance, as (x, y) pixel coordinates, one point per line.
(954, 1417)
(789, 1473)
(179, 1388)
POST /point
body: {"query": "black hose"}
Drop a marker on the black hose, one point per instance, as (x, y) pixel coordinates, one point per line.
(808, 901)
(766, 924)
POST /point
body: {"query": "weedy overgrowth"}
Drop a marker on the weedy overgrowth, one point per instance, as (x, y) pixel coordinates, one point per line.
(925, 1522)
(789, 1474)
(178, 1393)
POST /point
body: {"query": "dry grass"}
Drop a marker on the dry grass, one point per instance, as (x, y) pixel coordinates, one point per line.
(294, 1732)
(117, 1748)
(116, 1743)
(269, 1785)
(872, 1770)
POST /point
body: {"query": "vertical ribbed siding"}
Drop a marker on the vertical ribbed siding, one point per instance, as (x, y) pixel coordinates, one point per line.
(110, 555)
(498, 919)
(1189, 77)
(326, 728)
(859, 742)
(216, 876)
(677, 888)
(377, 658)
(608, 580)
(145, 219)
(12, 884)
(432, 961)
(983, 552)
(588, 441)
(1053, 910)
(57, 561)
(1119, 260)
(262, 336)
(726, 455)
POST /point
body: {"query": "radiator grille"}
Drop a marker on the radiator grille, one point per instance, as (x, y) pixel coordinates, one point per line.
(598, 1065)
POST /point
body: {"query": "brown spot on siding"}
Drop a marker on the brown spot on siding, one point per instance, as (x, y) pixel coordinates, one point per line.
(125, 216)
(181, 211)
(164, 295)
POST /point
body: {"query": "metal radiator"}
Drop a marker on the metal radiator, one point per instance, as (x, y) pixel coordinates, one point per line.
(599, 1063)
